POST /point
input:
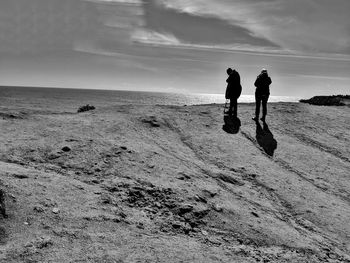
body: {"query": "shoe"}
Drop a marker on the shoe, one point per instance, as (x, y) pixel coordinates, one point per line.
(255, 119)
(262, 119)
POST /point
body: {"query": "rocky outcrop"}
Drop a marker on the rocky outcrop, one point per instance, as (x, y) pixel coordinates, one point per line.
(86, 108)
(335, 100)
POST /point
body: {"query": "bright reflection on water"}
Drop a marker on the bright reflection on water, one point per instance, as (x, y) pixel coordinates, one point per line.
(220, 98)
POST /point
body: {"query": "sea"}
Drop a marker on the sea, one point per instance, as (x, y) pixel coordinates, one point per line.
(38, 98)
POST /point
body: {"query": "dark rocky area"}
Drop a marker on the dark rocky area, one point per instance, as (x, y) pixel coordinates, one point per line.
(86, 108)
(335, 100)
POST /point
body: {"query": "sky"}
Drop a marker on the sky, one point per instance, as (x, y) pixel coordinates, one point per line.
(176, 45)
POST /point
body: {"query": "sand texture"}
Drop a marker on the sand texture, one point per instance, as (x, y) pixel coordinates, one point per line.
(133, 183)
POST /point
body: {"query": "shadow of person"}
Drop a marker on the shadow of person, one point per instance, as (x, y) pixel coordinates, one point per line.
(265, 138)
(232, 124)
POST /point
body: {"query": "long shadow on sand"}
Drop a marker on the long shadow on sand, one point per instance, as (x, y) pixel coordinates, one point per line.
(265, 138)
(232, 124)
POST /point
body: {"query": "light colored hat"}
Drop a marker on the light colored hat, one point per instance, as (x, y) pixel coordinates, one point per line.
(264, 70)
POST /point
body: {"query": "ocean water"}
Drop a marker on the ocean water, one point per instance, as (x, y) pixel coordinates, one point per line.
(69, 99)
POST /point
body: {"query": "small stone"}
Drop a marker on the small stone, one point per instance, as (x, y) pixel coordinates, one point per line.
(116, 220)
(155, 124)
(55, 210)
(218, 208)
(123, 147)
(38, 209)
(26, 223)
(140, 226)
(98, 169)
(204, 233)
(176, 225)
(20, 176)
(254, 214)
(29, 245)
(86, 108)
(66, 149)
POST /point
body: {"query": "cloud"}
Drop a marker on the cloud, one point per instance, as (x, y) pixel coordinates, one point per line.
(224, 26)
(123, 23)
(300, 25)
(189, 27)
(155, 38)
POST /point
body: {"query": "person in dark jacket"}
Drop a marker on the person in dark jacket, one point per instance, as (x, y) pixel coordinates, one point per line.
(233, 90)
(262, 94)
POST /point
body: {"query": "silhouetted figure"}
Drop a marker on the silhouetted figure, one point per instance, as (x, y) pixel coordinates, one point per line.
(233, 90)
(262, 94)
(265, 138)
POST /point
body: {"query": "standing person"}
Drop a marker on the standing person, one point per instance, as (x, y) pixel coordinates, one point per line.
(262, 94)
(233, 90)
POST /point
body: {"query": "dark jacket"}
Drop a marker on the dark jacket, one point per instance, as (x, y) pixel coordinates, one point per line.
(262, 84)
(234, 88)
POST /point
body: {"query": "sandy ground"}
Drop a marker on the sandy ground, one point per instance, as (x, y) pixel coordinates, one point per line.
(136, 183)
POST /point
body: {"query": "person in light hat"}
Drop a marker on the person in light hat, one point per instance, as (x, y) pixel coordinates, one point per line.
(262, 94)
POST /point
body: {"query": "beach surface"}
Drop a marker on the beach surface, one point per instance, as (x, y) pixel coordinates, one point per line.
(141, 183)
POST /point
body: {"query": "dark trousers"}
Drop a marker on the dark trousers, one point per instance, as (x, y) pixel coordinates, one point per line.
(261, 99)
(233, 105)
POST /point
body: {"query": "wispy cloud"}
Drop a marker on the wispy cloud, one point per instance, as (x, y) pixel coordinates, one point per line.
(300, 25)
(155, 38)
(154, 24)
(150, 37)
(192, 27)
